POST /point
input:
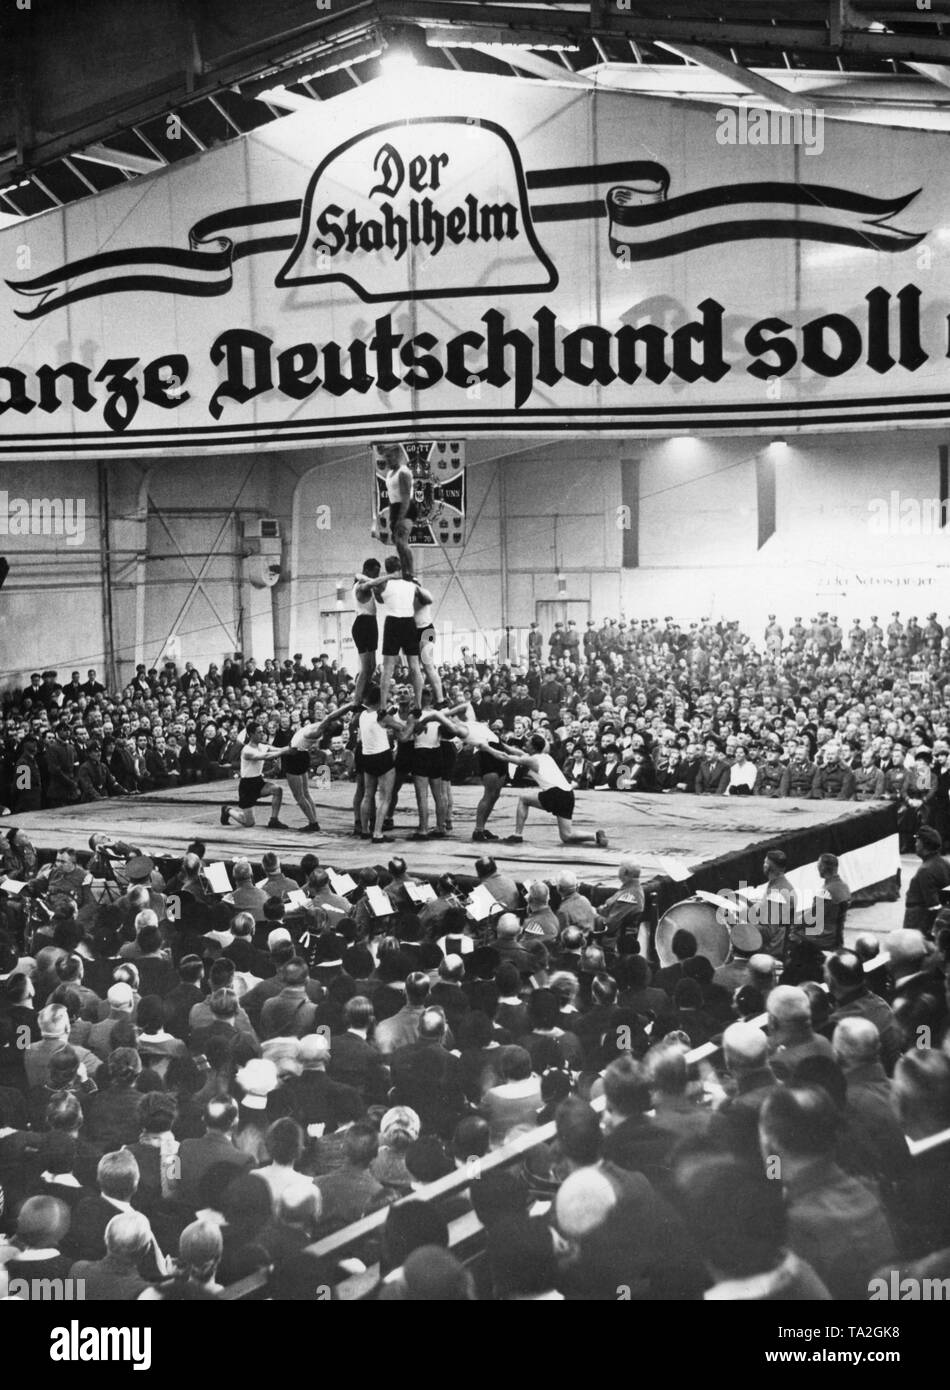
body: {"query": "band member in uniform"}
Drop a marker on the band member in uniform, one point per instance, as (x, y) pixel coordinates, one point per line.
(426, 638)
(296, 763)
(378, 764)
(479, 736)
(402, 508)
(252, 786)
(395, 597)
(365, 628)
(556, 796)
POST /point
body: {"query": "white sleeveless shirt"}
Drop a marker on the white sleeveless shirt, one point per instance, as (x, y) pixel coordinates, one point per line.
(367, 606)
(374, 738)
(548, 774)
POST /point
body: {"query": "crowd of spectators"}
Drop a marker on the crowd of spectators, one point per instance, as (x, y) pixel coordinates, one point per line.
(647, 706)
(195, 1089)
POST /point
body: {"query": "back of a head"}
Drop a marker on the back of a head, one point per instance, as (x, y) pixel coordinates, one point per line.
(117, 1175)
(844, 973)
(472, 1138)
(667, 1068)
(128, 1235)
(922, 1091)
(543, 1008)
(432, 1025)
(856, 1042)
(516, 1064)
(579, 1135)
(745, 1047)
(221, 1115)
(507, 979)
(627, 1086)
(799, 1121)
(224, 1003)
(507, 927)
(585, 1203)
(42, 1222)
(683, 944)
(736, 1214)
(361, 1145)
(410, 1225)
(498, 1194)
(199, 1249)
(418, 985)
(788, 1006)
(485, 867)
(826, 1073)
(433, 1275)
(906, 948)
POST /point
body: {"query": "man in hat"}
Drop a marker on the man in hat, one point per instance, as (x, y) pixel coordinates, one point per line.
(923, 891)
(774, 635)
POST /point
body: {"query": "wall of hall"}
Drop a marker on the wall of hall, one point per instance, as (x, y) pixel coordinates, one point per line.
(857, 529)
(852, 537)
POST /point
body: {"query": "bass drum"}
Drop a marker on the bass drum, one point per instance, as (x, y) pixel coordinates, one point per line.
(700, 918)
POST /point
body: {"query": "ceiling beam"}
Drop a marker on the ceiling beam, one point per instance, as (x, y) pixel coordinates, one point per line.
(753, 81)
(533, 63)
(285, 100)
(934, 72)
(118, 159)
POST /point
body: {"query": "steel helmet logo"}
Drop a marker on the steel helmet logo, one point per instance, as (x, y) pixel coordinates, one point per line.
(438, 207)
(452, 190)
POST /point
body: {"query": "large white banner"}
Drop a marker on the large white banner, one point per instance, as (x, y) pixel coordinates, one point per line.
(454, 254)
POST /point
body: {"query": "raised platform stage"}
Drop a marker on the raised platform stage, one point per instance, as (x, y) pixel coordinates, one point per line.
(681, 842)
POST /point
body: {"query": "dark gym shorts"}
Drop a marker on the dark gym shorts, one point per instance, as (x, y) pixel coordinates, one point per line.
(485, 763)
(449, 757)
(297, 762)
(426, 634)
(249, 790)
(378, 764)
(427, 762)
(403, 758)
(396, 513)
(365, 632)
(358, 760)
(400, 635)
(557, 802)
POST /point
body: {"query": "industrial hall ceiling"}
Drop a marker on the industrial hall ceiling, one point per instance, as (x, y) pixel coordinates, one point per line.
(96, 93)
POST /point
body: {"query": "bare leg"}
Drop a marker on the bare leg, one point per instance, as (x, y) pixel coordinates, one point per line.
(438, 796)
(277, 796)
(422, 802)
(427, 660)
(367, 667)
(492, 785)
(300, 790)
(415, 675)
(358, 798)
(366, 805)
(386, 680)
(521, 814)
(570, 836)
(384, 786)
(401, 534)
(446, 785)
